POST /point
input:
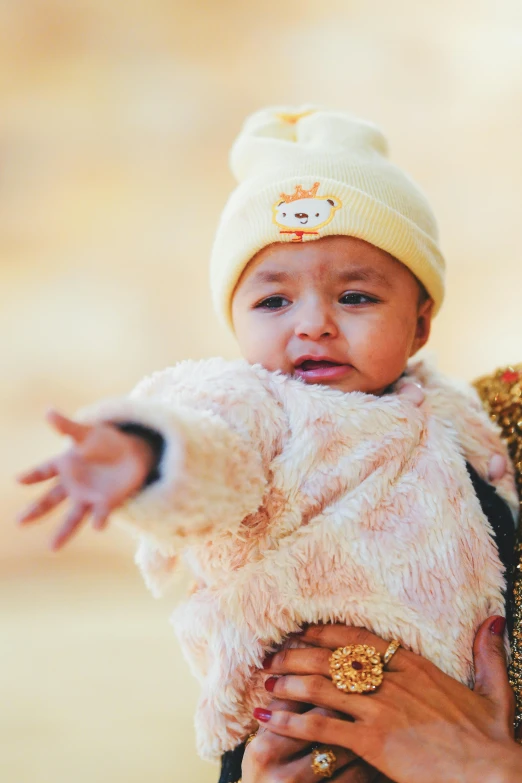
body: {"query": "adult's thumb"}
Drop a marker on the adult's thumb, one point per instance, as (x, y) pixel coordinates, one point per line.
(491, 678)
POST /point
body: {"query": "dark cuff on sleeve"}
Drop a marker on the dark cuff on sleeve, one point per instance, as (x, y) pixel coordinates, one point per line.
(155, 440)
(231, 763)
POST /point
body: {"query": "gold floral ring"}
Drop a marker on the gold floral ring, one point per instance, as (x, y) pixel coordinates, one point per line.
(356, 668)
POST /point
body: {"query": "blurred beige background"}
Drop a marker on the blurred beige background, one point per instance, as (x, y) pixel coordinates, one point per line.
(115, 124)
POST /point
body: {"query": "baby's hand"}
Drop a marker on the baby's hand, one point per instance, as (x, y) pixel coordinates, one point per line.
(98, 473)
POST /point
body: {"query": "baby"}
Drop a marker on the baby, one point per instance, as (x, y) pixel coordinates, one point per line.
(324, 477)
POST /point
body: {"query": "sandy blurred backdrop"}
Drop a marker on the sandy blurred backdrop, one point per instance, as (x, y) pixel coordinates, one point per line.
(115, 123)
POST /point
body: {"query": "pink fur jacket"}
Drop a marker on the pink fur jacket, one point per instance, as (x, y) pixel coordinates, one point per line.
(295, 503)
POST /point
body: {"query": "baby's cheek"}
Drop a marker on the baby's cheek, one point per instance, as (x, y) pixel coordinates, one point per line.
(384, 357)
(259, 348)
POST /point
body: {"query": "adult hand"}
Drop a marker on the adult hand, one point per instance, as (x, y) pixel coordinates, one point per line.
(272, 758)
(420, 726)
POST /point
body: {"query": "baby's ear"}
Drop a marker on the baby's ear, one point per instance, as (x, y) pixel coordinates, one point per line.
(423, 326)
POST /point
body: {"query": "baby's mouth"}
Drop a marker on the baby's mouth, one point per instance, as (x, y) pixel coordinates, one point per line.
(321, 370)
(312, 364)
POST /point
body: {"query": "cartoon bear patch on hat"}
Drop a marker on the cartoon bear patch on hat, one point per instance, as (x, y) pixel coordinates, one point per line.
(303, 212)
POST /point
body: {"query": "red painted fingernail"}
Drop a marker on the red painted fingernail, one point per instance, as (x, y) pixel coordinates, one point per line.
(498, 626)
(268, 660)
(270, 683)
(262, 715)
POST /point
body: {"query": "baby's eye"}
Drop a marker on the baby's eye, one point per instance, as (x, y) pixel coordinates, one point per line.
(273, 303)
(353, 298)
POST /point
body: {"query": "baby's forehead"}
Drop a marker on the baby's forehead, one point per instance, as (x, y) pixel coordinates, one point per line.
(299, 266)
(325, 261)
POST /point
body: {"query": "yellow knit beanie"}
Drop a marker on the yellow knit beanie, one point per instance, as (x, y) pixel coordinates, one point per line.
(306, 173)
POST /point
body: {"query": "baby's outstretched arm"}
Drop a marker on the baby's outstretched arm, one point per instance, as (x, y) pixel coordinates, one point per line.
(186, 455)
(103, 468)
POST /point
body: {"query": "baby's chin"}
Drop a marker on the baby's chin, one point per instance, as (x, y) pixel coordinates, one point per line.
(345, 378)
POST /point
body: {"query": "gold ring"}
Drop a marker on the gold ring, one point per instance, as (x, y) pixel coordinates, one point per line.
(390, 651)
(356, 668)
(250, 738)
(323, 762)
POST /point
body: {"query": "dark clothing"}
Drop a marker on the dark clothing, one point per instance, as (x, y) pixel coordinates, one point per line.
(501, 520)
(231, 765)
(154, 439)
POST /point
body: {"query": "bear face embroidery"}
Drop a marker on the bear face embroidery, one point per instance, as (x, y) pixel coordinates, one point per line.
(304, 212)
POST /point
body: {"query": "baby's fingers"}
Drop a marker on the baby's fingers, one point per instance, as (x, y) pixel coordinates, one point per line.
(43, 472)
(67, 426)
(100, 517)
(73, 520)
(44, 505)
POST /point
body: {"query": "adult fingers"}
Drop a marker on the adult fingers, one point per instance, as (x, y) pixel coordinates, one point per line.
(44, 505)
(319, 690)
(291, 758)
(326, 638)
(303, 660)
(42, 472)
(278, 748)
(71, 524)
(345, 767)
(67, 426)
(333, 636)
(359, 772)
(491, 679)
(317, 728)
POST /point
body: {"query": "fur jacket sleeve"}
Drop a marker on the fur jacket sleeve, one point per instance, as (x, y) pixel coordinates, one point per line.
(222, 428)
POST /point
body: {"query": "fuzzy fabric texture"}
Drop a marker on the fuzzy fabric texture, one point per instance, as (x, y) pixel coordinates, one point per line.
(295, 503)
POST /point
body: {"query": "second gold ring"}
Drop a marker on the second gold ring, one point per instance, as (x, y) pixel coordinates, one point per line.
(390, 651)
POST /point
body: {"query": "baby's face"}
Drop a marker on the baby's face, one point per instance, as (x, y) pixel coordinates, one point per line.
(335, 311)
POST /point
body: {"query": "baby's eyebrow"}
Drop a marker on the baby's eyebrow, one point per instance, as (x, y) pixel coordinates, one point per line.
(363, 274)
(354, 274)
(271, 276)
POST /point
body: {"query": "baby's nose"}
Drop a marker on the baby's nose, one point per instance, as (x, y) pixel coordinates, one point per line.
(301, 215)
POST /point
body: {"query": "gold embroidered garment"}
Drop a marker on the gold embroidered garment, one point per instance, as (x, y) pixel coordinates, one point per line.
(501, 394)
